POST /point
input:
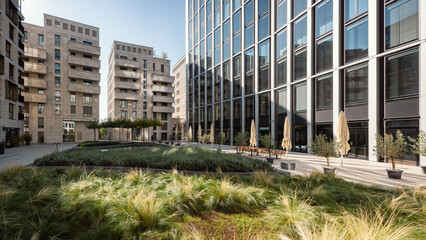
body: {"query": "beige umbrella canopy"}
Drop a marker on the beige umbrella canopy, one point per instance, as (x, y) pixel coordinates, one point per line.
(253, 142)
(199, 133)
(286, 143)
(182, 133)
(190, 134)
(211, 134)
(342, 136)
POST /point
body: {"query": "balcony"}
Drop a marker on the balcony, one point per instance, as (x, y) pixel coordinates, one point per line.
(82, 61)
(21, 81)
(21, 46)
(35, 53)
(126, 74)
(162, 78)
(126, 85)
(21, 27)
(127, 63)
(35, 68)
(127, 96)
(161, 109)
(21, 98)
(160, 88)
(92, 76)
(84, 48)
(34, 97)
(73, 87)
(35, 82)
(163, 99)
(21, 63)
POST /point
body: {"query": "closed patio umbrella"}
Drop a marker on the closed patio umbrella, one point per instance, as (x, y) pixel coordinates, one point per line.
(199, 133)
(286, 143)
(182, 133)
(253, 142)
(342, 136)
(211, 135)
(190, 134)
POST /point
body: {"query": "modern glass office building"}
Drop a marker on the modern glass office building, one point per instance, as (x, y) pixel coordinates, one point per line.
(308, 60)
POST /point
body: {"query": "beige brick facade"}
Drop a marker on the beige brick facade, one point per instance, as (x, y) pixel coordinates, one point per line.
(139, 86)
(179, 72)
(61, 80)
(11, 67)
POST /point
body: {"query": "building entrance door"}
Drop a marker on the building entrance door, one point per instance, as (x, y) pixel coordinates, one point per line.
(358, 140)
(69, 131)
(300, 138)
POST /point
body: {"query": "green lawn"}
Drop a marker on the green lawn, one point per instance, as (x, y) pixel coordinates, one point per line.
(182, 158)
(77, 204)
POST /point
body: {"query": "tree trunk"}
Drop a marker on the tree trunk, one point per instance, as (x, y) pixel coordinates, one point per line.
(393, 163)
(328, 161)
(94, 135)
(269, 152)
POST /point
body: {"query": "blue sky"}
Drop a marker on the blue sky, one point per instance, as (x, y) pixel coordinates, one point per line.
(156, 23)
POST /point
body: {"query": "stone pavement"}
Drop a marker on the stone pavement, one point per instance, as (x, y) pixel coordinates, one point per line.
(26, 155)
(353, 170)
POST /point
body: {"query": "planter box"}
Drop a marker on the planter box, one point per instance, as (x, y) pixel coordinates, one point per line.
(288, 166)
(270, 160)
(329, 170)
(424, 169)
(395, 174)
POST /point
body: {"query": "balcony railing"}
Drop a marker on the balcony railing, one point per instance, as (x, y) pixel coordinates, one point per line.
(162, 78)
(35, 53)
(164, 99)
(127, 63)
(93, 76)
(35, 82)
(84, 48)
(160, 88)
(127, 74)
(162, 109)
(87, 62)
(34, 98)
(127, 96)
(73, 87)
(126, 85)
(35, 68)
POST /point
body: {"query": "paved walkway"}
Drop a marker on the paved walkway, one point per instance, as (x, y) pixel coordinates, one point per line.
(354, 170)
(27, 154)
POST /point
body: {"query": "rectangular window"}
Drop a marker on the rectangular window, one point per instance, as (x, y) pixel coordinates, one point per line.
(162, 68)
(144, 106)
(40, 122)
(11, 110)
(402, 74)
(145, 96)
(401, 22)
(123, 104)
(57, 96)
(300, 98)
(73, 110)
(249, 108)
(134, 115)
(249, 24)
(281, 14)
(226, 40)
(324, 17)
(217, 84)
(264, 82)
(87, 111)
(356, 85)
(249, 36)
(236, 32)
(281, 78)
(145, 64)
(282, 43)
(299, 6)
(41, 40)
(134, 105)
(145, 74)
(216, 13)
(225, 9)
(123, 114)
(57, 40)
(324, 92)
(57, 109)
(237, 76)
(324, 53)
(87, 98)
(354, 8)
(57, 68)
(300, 64)
(282, 101)
(249, 67)
(300, 32)
(226, 81)
(57, 82)
(8, 46)
(40, 108)
(356, 40)
(57, 54)
(72, 97)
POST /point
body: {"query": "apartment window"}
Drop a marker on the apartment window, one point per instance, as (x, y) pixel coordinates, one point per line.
(40, 108)
(87, 111)
(87, 83)
(153, 67)
(356, 40)
(41, 91)
(11, 110)
(87, 98)
(263, 19)
(162, 68)
(324, 17)
(11, 32)
(57, 68)
(57, 24)
(57, 109)
(123, 90)
(134, 115)
(123, 114)
(11, 71)
(237, 76)
(249, 74)
(73, 67)
(144, 105)
(356, 85)
(86, 69)
(300, 64)
(65, 26)
(324, 92)
(8, 46)
(249, 24)
(226, 40)
(145, 114)
(144, 84)
(25, 37)
(40, 122)
(72, 40)
(88, 43)
(324, 53)
(57, 96)
(145, 96)
(72, 97)
(264, 78)
(87, 56)
(236, 44)
(402, 74)
(145, 74)
(300, 32)
(401, 22)
(41, 40)
(300, 98)
(145, 63)
(134, 105)
(57, 40)
(281, 13)
(299, 6)
(73, 110)
(73, 81)
(123, 104)
(57, 54)
(354, 8)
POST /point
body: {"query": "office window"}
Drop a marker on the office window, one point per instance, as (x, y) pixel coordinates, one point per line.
(264, 82)
(249, 13)
(300, 64)
(324, 17)
(123, 104)
(11, 110)
(57, 68)
(209, 16)
(216, 13)
(300, 32)
(41, 40)
(264, 101)
(217, 84)
(300, 98)
(57, 54)
(72, 97)
(40, 108)
(226, 81)
(57, 82)
(226, 40)
(225, 9)
(402, 74)
(249, 108)
(282, 101)
(57, 96)
(237, 32)
(281, 13)
(356, 40)
(299, 6)
(401, 22)
(87, 111)
(237, 76)
(354, 8)
(57, 109)
(281, 77)
(324, 53)
(324, 92)
(202, 22)
(356, 85)
(87, 98)
(217, 46)
(40, 122)
(263, 27)
(249, 36)
(237, 109)
(236, 4)
(249, 24)
(57, 40)
(282, 43)
(73, 110)
(8, 46)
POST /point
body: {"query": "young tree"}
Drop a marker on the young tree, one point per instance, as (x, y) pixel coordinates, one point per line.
(93, 126)
(241, 139)
(205, 139)
(418, 145)
(322, 147)
(390, 147)
(221, 138)
(268, 142)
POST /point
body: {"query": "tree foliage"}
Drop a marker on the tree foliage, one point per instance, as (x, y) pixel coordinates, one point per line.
(267, 142)
(418, 145)
(323, 147)
(242, 139)
(391, 147)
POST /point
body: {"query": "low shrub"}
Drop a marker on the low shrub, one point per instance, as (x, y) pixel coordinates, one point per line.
(96, 143)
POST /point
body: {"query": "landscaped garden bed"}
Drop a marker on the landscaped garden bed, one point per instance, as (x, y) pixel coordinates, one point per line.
(74, 203)
(97, 143)
(159, 157)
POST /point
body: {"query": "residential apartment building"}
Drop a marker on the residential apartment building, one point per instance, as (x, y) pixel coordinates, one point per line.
(61, 80)
(179, 73)
(11, 68)
(139, 86)
(308, 60)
